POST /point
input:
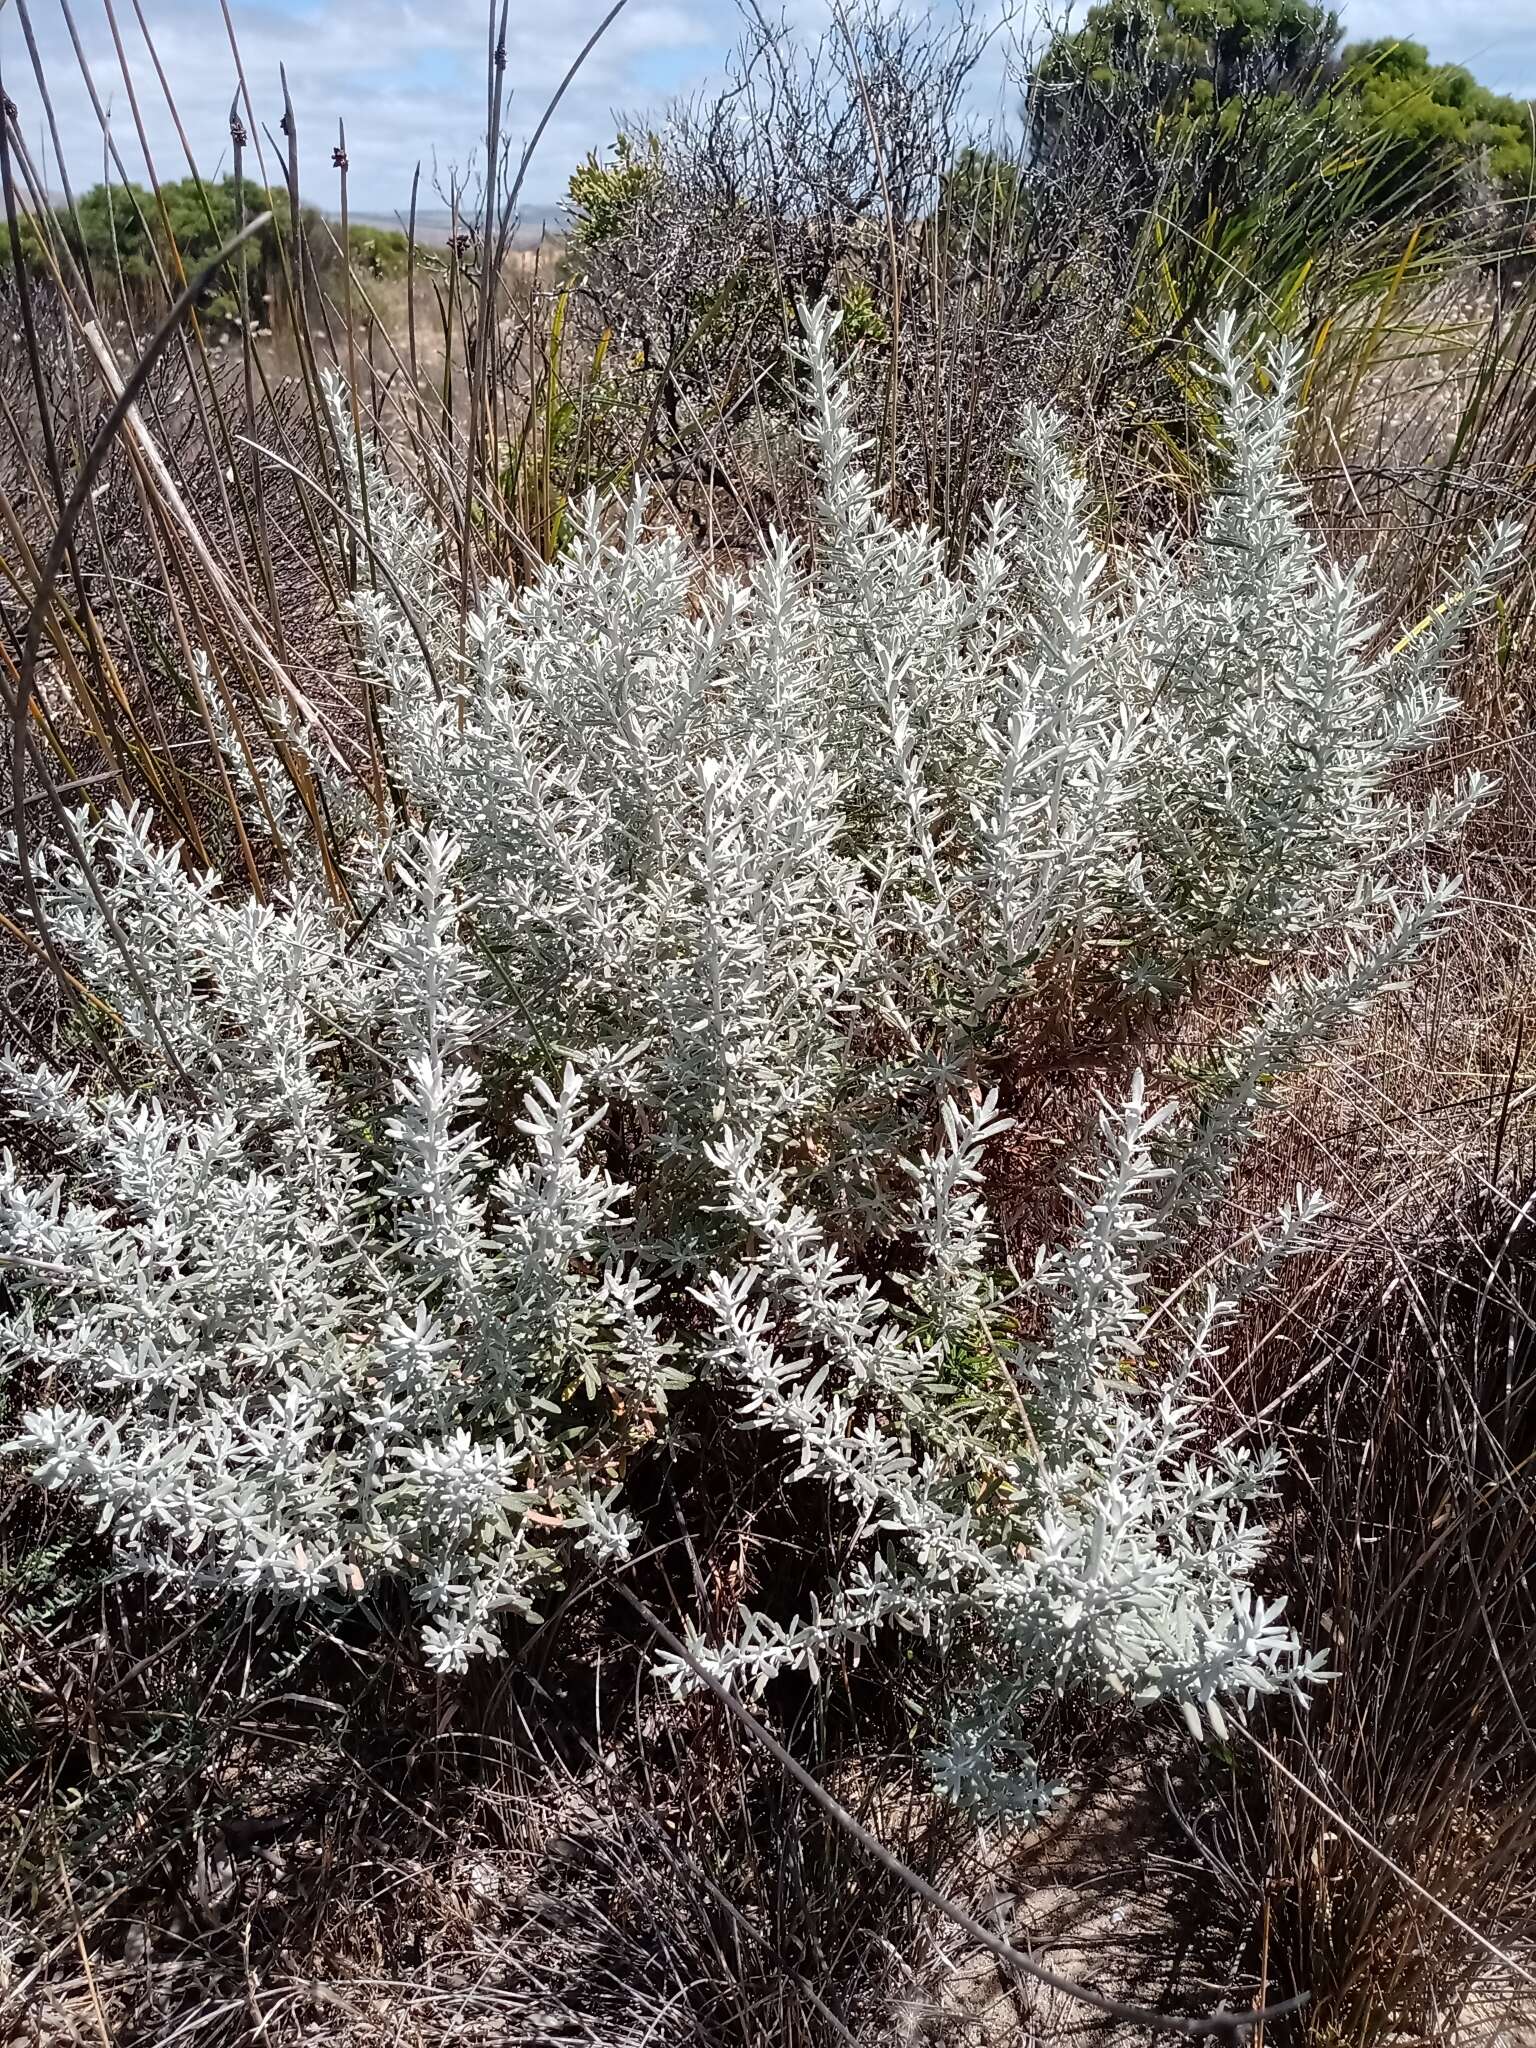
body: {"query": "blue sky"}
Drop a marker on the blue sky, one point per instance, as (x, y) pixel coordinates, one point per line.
(407, 75)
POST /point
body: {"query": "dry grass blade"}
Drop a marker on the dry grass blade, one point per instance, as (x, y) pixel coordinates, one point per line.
(1405, 1849)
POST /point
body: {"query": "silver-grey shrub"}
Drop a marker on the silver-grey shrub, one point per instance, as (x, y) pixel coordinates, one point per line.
(671, 1015)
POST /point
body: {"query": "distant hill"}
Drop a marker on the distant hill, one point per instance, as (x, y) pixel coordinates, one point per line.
(434, 224)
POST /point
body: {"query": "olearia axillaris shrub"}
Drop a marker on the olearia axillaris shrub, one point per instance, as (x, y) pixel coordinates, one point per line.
(660, 1044)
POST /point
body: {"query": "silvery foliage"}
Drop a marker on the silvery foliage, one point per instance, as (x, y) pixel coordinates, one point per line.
(799, 840)
(326, 1324)
(737, 883)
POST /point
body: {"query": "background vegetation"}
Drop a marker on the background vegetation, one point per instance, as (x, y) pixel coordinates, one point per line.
(127, 242)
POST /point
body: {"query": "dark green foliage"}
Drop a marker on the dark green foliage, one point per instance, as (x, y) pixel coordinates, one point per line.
(1434, 128)
(1243, 88)
(126, 240)
(1193, 54)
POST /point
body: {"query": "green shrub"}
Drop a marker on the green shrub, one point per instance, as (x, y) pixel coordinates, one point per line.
(124, 237)
(1259, 97)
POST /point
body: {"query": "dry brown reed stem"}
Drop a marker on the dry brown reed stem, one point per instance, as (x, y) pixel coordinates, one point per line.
(23, 744)
(496, 67)
(173, 502)
(158, 761)
(1403, 1812)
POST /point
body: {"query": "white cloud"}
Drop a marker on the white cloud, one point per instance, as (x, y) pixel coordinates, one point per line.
(407, 78)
